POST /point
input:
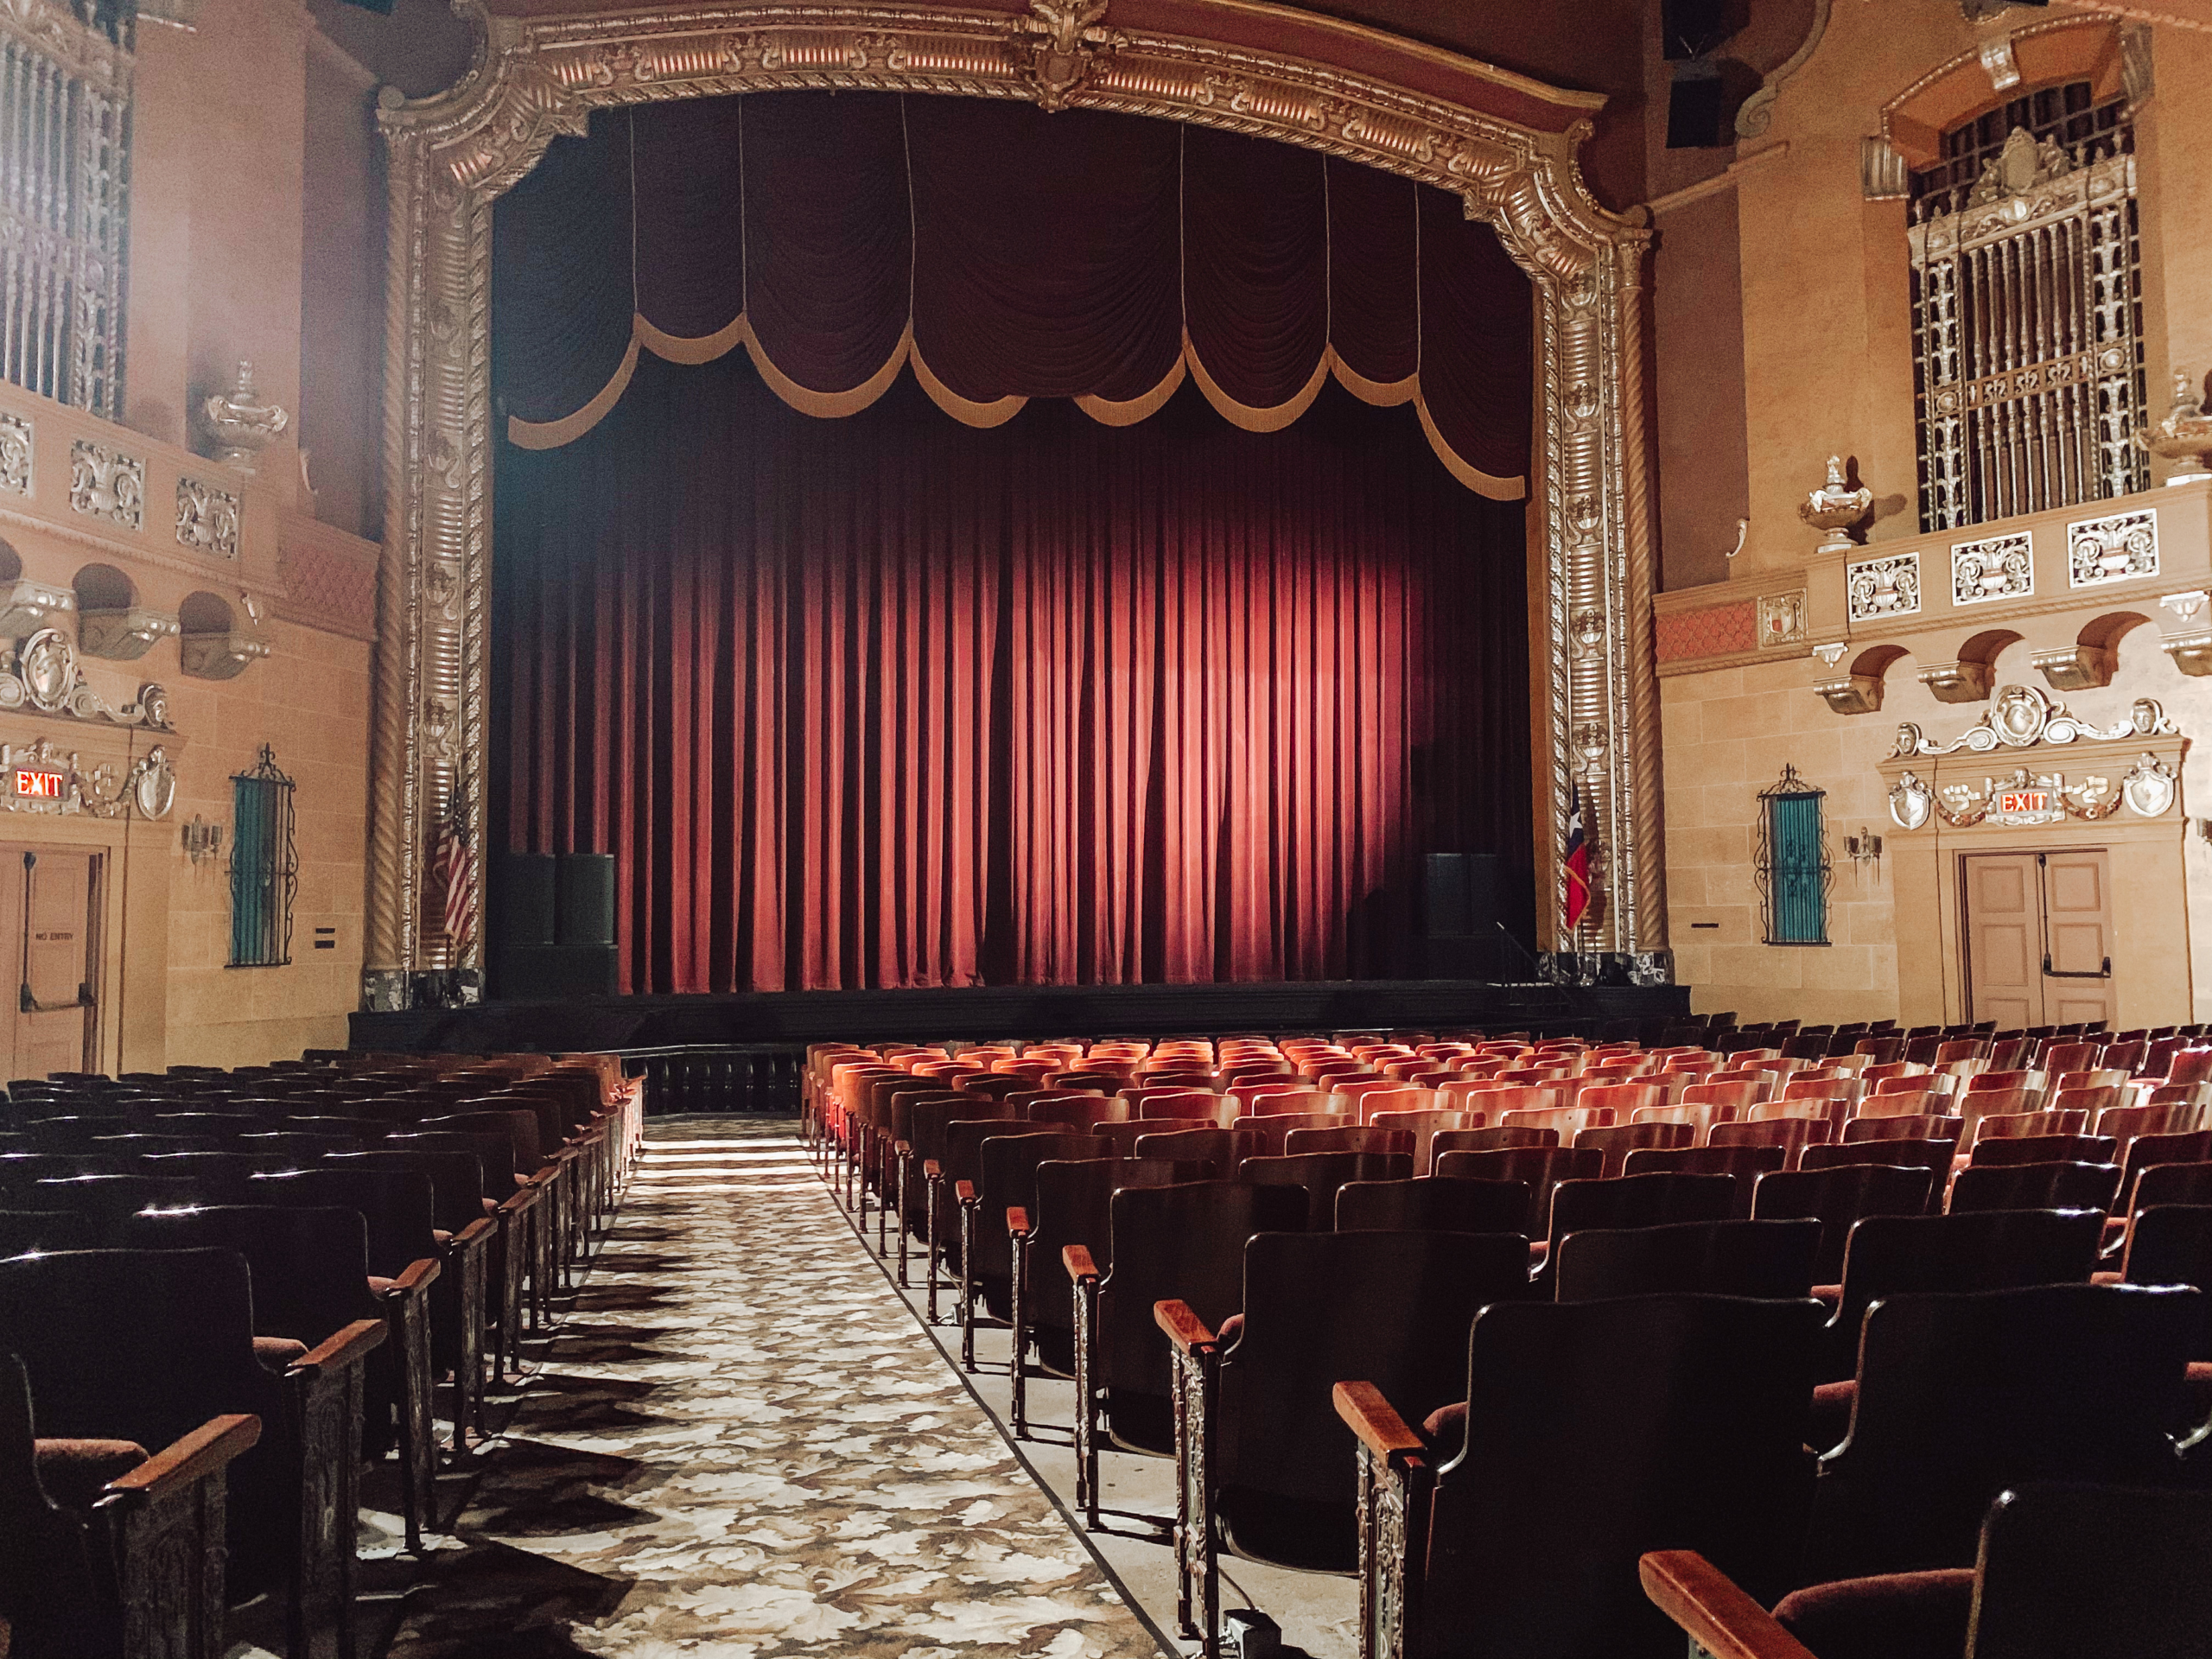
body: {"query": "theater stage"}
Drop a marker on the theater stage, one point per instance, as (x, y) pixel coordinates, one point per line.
(740, 1053)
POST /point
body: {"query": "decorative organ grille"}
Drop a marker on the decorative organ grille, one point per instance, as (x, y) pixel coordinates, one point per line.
(2027, 313)
(65, 149)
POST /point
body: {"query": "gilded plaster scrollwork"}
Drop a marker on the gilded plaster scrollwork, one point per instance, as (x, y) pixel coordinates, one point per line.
(15, 455)
(2022, 717)
(452, 155)
(206, 517)
(105, 483)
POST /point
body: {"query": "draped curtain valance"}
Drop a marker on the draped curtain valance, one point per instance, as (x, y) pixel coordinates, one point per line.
(1006, 254)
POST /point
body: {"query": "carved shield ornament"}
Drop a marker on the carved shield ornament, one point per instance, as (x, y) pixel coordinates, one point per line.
(49, 669)
(157, 789)
(2149, 788)
(2018, 715)
(1911, 802)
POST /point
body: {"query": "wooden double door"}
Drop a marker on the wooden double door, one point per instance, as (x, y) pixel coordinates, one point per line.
(2038, 931)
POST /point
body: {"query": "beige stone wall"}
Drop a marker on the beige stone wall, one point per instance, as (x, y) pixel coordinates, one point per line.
(1819, 281)
(310, 702)
(1729, 732)
(256, 203)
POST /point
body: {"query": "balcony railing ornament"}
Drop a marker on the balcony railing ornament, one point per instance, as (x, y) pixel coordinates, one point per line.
(2185, 435)
(240, 422)
(1835, 510)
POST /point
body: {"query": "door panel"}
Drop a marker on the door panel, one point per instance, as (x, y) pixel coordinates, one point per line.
(2077, 901)
(49, 915)
(2003, 943)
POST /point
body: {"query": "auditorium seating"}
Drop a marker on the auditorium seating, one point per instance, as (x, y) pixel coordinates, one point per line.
(1808, 1177)
(303, 1250)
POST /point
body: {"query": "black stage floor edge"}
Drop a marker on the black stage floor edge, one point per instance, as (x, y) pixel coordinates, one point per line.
(1028, 1013)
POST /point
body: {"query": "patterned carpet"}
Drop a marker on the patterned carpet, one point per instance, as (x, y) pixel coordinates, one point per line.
(741, 1444)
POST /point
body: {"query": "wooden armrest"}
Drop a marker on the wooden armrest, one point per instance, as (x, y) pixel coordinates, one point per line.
(1369, 1415)
(1184, 1327)
(1715, 1614)
(475, 1233)
(1076, 1258)
(524, 1199)
(902, 1148)
(209, 1447)
(1017, 1221)
(418, 1276)
(963, 1193)
(341, 1347)
(932, 1169)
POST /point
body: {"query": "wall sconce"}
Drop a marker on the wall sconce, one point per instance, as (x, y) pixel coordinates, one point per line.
(203, 840)
(1865, 847)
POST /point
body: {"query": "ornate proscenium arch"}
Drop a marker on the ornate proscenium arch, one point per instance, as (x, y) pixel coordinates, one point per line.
(1506, 145)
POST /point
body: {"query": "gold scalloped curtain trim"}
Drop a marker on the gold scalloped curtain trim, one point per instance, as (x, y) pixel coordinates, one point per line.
(832, 405)
(551, 435)
(1129, 411)
(1384, 394)
(1250, 416)
(967, 411)
(1482, 483)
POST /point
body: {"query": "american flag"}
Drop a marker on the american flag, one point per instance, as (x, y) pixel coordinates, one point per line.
(457, 865)
(1576, 864)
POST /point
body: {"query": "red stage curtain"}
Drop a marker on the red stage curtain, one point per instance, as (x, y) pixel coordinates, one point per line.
(895, 701)
(1007, 254)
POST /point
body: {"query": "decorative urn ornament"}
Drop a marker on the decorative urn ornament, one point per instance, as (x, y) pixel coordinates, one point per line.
(2185, 435)
(1832, 510)
(240, 422)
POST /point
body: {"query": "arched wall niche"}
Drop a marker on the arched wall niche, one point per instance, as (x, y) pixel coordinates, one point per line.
(1506, 145)
(2062, 48)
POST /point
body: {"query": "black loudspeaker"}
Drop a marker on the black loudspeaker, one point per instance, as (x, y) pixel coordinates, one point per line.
(1459, 915)
(583, 899)
(542, 972)
(1697, 97)
(522, 900)
(1461, 895)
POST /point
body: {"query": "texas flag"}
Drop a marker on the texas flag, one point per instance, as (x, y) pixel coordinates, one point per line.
(1576, 864)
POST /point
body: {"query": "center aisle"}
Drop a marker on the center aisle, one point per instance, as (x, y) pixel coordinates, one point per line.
(743, 1446)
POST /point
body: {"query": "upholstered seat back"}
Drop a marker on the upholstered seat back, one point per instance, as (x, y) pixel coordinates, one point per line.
(1392, 1308)
(1772, 1259)
(1433, 1203)
(1963, 1396)
(1597, 1431)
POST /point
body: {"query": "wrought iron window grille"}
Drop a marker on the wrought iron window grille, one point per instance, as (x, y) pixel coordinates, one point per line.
(2027, 312)
(1792, 863)
(264, 865)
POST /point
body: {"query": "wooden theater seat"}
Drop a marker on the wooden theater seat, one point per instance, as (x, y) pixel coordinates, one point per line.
(1393, 1308)
(1184, 1243)
(1838, 1198)
(1070, 1210)
(1770, 1259)
(2061, 1573)
(1960, 1398)
(135, 1346)
(1593, 1432)
(112, 1552)
(1433, 1203)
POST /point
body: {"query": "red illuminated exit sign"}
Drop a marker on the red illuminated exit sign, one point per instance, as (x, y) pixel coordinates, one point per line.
(2024, 800)
(44, 786)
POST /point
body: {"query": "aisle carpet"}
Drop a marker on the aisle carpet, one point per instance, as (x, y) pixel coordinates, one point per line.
(742, 1445)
